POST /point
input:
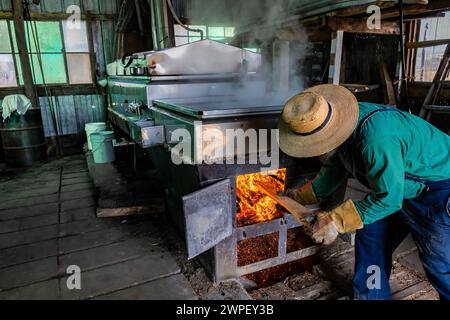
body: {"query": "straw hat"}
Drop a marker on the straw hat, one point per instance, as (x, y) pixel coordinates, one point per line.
(318, 121)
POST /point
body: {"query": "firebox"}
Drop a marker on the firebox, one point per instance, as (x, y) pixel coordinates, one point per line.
(246, 231)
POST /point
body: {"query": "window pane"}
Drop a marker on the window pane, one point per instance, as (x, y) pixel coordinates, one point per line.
(435, 28)
(13, 36)
(179, 41)
(79, 66)
(7, 72)
(19, 69)
(180, 31)
(53, 65)
(54, 68)
(75, 37)
(49, 36)
(195, 36)
(35, 68)
(216, 32)
(50, 39)
(427, 62)
(5, 44)
(229, 32)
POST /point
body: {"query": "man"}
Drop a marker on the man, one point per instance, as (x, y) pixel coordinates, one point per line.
(402, 159)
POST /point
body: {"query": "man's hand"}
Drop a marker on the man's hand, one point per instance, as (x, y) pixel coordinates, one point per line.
(304, 195)
(329, 225)
(324, 230)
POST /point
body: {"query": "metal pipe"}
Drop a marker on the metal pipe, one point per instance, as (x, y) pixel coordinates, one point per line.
(172, 10)
(153, 21)
(137, 4)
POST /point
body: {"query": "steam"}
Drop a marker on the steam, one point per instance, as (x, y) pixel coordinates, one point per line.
(284, 48)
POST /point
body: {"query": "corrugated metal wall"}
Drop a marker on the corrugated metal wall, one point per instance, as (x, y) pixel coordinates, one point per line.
(71, 113)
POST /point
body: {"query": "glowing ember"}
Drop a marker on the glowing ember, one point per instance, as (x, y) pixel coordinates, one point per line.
(253, 206)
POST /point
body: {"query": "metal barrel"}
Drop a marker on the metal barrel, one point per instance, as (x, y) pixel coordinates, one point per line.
(23, 139)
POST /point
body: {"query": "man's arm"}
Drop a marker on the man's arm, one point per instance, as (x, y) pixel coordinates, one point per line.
(383, 162)
(330, 178)
(385, 172)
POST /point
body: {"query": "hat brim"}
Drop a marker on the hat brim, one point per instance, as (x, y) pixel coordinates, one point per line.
(343, 122)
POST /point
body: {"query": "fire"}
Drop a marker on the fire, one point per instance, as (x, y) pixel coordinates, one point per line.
(253, 206)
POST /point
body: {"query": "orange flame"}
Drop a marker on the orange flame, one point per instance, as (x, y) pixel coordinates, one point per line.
(253, 206)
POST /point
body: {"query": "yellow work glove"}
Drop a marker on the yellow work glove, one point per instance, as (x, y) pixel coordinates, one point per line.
(305, 195)
(329, 225)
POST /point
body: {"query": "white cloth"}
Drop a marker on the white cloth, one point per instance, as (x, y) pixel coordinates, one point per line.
(16, 102)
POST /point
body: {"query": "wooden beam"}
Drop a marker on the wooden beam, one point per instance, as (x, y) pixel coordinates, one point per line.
(362, 9)
(424, 44)
(337, 47)
(19, 26)
(420, 89)
(388, 85)
(357, 25)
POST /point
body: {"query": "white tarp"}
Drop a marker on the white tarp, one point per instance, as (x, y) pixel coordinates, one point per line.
(202, 57)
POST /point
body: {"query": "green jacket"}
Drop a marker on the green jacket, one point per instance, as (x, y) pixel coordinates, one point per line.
(390, 146)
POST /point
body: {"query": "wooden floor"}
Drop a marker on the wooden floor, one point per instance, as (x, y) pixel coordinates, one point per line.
(48, 223)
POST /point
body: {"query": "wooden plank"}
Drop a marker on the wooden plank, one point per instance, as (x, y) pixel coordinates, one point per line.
(426, 44)
(360, 26)
(300, 212)
(388, 85)
(337, 43)
(50, 16)
(411, 291)
(129, 211)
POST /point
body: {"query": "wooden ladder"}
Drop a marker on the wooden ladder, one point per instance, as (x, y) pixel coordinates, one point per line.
(429, 105)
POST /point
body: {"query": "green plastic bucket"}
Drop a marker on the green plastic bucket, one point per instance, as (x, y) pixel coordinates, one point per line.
(102, 146)
(91, 128)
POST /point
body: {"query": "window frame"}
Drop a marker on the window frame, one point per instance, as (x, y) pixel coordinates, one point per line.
(13, 55)
(416, 52)
(64, 53)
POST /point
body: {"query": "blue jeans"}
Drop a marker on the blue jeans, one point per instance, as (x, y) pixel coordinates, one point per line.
(427, 218)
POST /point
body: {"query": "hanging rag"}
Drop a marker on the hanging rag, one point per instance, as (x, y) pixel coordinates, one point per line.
(16, 102)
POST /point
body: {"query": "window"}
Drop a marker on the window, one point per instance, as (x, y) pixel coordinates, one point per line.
(58, 53)
(7, 67)
(221, 34)
(77, 54)
(429, 58)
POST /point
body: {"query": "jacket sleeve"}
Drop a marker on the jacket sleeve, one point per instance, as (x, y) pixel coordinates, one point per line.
(385, 173)
(330, 177)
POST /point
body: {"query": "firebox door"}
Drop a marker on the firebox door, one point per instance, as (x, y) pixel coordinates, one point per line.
(208, 216)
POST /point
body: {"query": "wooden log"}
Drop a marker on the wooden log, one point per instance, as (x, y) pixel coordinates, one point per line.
(300, 212)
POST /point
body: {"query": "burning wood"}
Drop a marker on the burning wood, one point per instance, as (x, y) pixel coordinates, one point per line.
(253, 203)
